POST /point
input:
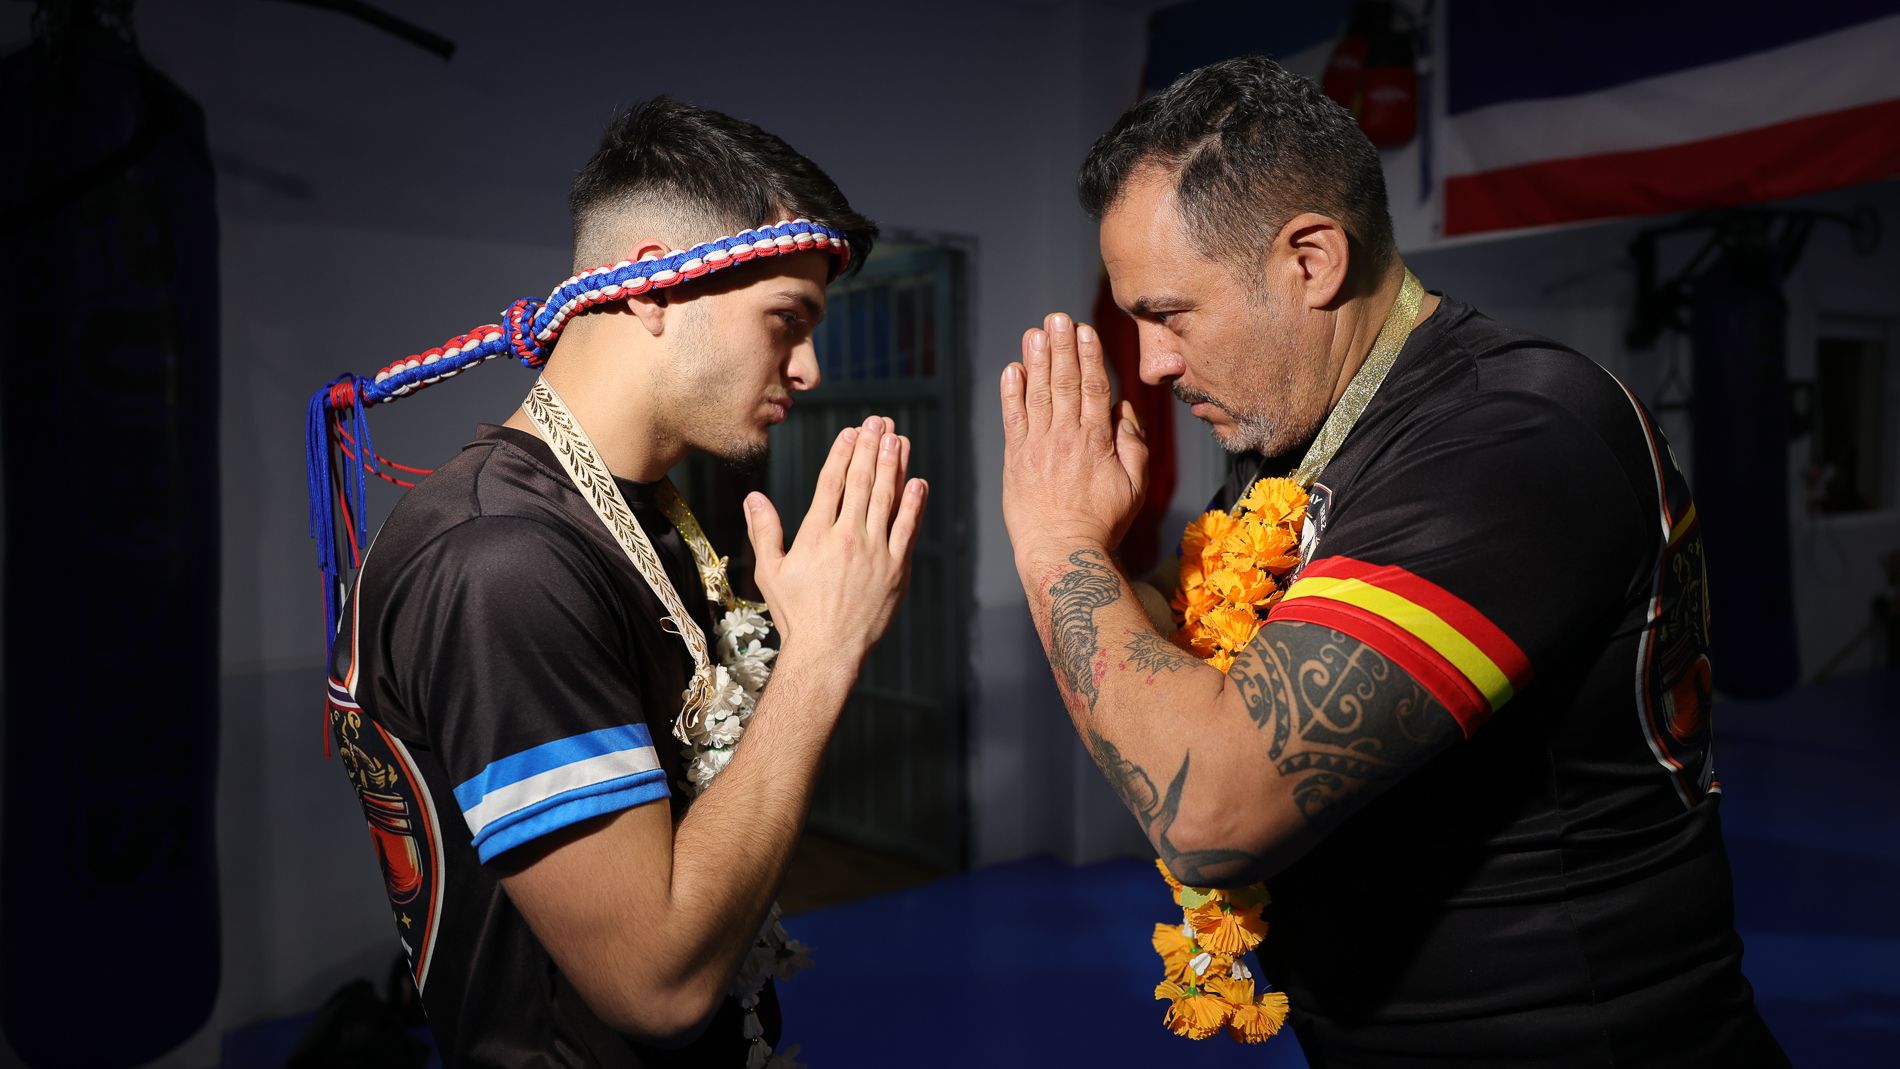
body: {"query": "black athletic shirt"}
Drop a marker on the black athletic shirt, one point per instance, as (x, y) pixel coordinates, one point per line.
(1506, 524)
(502, 674)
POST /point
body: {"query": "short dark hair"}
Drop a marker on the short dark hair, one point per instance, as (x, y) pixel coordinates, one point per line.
(1251, 146)
(706, 170)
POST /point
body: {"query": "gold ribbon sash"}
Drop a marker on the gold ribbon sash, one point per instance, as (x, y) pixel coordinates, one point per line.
(1365, 382)
(583, 465)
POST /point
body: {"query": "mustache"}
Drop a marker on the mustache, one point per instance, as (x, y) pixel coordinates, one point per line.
(1194, 397)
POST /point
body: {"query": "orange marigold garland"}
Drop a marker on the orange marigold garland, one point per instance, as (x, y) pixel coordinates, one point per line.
(1234, 567)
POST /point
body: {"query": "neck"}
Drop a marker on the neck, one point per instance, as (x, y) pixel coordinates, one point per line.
(1362, 318)
(606, 390)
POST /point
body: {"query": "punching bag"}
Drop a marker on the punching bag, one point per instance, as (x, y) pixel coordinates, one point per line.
(109, 943)
(1739, 328)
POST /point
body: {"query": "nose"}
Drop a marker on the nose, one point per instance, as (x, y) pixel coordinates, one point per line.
(1159, 364)
(802, 369)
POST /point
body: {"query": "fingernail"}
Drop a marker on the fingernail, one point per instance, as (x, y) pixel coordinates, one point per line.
(850, 434)
(1009, 374)
(1038, 341)
(1085, 334)
(1059, 321)
(870, 424)
(752, 501)
(889, 444)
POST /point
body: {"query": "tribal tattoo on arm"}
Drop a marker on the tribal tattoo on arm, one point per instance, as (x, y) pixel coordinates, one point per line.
(1073, 634)
(1339, 715)
(1341, 720)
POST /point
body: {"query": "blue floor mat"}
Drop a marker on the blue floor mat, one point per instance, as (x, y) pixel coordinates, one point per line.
(1035, 963)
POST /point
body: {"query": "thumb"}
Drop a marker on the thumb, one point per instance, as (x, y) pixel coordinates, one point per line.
(1131, 446)
(767, 535)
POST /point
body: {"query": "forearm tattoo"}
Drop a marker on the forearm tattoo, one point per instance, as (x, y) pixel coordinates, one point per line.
(1338, 714)
(1150, 654)
(1074, 638)
(1157, 813)
(1130, 780)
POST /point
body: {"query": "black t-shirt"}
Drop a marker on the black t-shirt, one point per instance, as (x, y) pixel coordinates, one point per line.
(502, 673)
(1506, 523)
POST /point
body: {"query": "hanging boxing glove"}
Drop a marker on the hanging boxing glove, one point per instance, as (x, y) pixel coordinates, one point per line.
(1388, 96)
(1346, 68)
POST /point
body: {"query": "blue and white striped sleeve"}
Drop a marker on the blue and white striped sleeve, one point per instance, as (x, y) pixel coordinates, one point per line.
(542, 789)
(530, 692)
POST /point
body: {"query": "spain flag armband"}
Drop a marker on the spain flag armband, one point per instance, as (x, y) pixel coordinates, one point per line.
(1454, 651)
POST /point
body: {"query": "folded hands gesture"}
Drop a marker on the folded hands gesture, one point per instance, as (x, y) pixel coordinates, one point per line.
(1074, 470)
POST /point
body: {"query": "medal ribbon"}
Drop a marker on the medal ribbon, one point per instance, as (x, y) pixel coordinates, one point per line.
(583, 465)
(1365, 382)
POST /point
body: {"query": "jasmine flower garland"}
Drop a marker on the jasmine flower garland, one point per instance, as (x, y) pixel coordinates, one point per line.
(745, 665)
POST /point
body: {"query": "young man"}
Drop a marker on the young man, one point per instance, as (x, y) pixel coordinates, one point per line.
(1469, 750)
(508, 675)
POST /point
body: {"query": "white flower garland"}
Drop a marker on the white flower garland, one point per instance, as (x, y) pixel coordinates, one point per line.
(745, 664)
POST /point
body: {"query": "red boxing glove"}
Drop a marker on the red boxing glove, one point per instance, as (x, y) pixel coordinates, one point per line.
(1388, 96)
(1345, 69)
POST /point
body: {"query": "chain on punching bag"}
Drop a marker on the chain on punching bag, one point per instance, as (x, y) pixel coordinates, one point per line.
(109, 943)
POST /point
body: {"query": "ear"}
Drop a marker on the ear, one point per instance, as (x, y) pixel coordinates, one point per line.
(650, 307)
(1318, 255)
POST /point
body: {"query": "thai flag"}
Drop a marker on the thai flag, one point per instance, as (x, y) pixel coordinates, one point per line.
(1632, 107)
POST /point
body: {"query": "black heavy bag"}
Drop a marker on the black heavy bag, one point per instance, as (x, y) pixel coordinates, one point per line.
(1742, 423)
(109, 949)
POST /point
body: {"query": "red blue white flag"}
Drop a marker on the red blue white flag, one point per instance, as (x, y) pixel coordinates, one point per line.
(1631, 107)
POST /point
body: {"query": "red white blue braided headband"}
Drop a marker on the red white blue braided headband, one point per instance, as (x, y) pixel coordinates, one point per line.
(528, 331)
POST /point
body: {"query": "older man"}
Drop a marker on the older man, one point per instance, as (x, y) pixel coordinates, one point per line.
(1470, 749)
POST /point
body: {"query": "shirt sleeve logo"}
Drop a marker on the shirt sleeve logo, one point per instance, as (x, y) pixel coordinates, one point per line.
(1319, 510)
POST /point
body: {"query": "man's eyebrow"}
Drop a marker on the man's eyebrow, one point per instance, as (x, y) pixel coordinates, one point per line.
(1147, 307)
(814, 310)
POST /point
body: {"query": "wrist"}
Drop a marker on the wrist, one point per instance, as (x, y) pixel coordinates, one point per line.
(822, 672)
(1034, 557)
